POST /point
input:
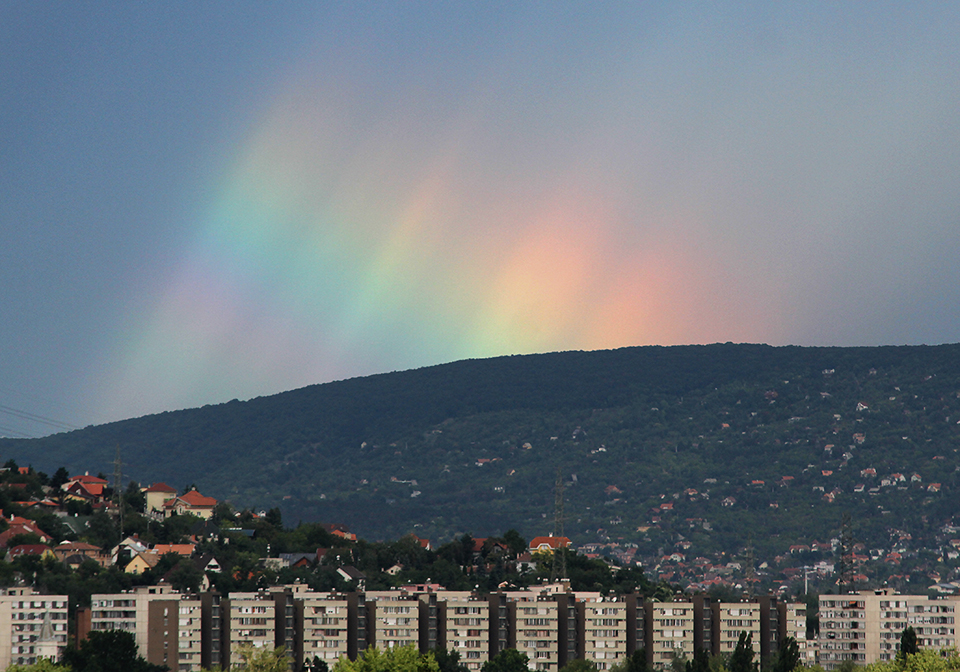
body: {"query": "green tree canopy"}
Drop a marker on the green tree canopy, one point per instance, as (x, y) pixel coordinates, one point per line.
(108, 651)
(508, 660)
(788, 657)
(908, 642)
(263, 660)
(398, 659)
(741, 660)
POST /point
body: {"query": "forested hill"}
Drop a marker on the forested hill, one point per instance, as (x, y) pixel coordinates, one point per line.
(475, 446)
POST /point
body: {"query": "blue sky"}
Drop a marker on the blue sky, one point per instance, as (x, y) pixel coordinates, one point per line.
(208, 201)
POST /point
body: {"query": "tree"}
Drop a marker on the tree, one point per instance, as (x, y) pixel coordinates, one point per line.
(637, 662)
(186, 576)
(788, 657)
(108, 651)
(908, 642)
(317, 665)
(60, 476)
(508, 660)
(700, 662)
(515, 542)
(579, 665)
(741, 660)
(42, 665)
(264, 660)
(397, 659)
(449, 661)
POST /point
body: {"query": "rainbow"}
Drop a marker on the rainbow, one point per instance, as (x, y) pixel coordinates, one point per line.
(342, 244)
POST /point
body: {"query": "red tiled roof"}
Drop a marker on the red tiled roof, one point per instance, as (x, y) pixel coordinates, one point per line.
(87, 478)
(161, 487)
(552, 542)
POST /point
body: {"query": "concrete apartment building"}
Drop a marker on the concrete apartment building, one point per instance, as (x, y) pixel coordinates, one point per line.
(464, 625)
(393, 619)
(248, 620)
(165, 624)
(671, 631)
(552, 626)
(31, 626)
(603, 635)
(730, 619)
(323, 621)
(865, 627)
(537, 627)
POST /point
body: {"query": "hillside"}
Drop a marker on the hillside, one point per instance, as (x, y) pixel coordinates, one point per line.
(786, 435)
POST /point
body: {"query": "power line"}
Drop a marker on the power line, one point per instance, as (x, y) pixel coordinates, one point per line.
(33, 417)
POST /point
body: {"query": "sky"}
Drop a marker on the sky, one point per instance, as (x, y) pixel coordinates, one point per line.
(208, 201)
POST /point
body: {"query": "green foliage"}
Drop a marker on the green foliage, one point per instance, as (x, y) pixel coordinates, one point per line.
(741, 660)
(108, 651)
(908, 642)
(666, 420)
(449, 660)
(787, 658)
(701, 662)
(398, 659)
(924, 660)
(508, 660)
(42, 665)
(579, 665)
(263, 660)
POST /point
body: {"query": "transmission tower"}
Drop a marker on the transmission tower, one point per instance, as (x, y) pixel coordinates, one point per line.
(844, 567)
(558, 529)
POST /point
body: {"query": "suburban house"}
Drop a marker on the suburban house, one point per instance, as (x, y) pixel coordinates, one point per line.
(192, 503)
(143, 562)
(550, 544)
(157, 494)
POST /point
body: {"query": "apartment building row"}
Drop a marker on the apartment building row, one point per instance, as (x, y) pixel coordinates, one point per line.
(866, 627)
(552, 626)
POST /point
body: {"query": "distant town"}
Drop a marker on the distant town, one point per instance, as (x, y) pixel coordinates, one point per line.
(240, 578)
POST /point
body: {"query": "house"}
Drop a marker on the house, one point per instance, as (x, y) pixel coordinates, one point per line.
(298, 560)
(341, 531)
(156, 495)
(19, 526)
(728, 501)
(933, 487)
(207, 563)
(353, 574)
(40, 550)
(205, 530)
(550, 543)
(184, 550)
(142, 562)
(190, 503)
(66, 549)
(128, 549)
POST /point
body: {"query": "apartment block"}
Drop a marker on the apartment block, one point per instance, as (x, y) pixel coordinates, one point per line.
(671, 631)
(464, 621)
(31, 626)
(165, 624)
(249, 620)
(732, 618)
(537, 623)
(865, 627)
(323, 622)
(603, 634)
(393, 619)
